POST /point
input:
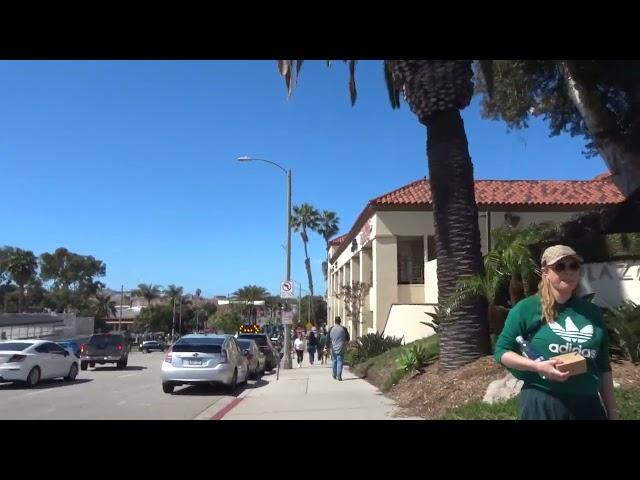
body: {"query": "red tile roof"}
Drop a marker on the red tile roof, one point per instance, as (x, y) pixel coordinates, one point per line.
(516, 192)
(600, 191)
(337, 240)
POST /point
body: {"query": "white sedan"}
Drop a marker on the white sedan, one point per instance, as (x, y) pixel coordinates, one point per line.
(30, 361)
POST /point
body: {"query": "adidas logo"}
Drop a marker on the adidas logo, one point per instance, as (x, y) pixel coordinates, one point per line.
(568, 347)
(572, 333)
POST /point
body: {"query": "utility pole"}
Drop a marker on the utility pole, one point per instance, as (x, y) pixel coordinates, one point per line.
(120, 316)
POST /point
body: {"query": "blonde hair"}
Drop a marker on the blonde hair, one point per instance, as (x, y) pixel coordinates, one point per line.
(547, 300)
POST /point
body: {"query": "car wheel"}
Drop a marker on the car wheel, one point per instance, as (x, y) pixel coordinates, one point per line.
(34, 377)
(83, 365)
(167, 387)
(234, 381)
(73, 372)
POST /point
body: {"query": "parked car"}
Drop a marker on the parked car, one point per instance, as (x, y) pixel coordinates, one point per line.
(257, 360)
(204, 359)
(71, 345)
(265, 346)
(30, 361)
(104, 348)
(149, 345)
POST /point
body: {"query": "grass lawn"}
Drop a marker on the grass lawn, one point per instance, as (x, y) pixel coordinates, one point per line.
(628, 404)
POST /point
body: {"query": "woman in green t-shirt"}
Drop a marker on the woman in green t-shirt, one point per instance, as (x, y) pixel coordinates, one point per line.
(555, 321)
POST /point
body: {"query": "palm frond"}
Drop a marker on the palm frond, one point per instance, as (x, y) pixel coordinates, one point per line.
(392, 89)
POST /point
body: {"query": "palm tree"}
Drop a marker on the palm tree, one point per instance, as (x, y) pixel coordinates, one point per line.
(305, 217)
(328, 226)
(436, 91)
(251, 293)
(173, 292)
(149, 291)
(105, 307)
(21, 266)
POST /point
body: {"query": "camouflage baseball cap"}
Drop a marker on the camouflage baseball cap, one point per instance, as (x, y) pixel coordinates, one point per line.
(557, 252)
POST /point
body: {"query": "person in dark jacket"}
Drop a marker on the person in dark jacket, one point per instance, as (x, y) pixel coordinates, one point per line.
(312, 345)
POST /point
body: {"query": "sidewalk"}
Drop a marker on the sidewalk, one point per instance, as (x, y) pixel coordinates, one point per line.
(310, 393)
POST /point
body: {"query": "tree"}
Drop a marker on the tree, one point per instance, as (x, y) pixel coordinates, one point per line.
(149, 291)
(353, 296)
(249, 294)
(198, 292)
(328, 226)
(72, 278)
(598, 99)
(173, 292)
(21, 265)
(155, 318)
(436, 91)
(105, 307)
(305, 217)
(228, 321)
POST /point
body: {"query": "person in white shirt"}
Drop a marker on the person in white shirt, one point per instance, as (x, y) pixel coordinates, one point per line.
(299, 346)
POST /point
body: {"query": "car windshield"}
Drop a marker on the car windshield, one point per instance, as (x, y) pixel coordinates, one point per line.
(259, 339)
(201, 345)
(245, 344)
(106, 339)
(14, 346)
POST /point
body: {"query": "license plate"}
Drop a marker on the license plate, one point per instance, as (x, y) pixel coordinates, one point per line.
(195, 362)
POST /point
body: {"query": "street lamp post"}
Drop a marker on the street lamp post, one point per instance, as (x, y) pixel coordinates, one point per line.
(287, 327)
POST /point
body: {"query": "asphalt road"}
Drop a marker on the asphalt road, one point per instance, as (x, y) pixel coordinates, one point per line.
(134, 393)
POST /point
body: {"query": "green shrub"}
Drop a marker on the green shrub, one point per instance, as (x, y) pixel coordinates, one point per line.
(370, 345)
(412, 358)
(624, 326)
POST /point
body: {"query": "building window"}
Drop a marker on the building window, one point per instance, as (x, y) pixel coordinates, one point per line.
(411, 260)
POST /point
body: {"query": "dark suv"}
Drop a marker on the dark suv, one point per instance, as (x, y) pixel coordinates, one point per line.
(266, 347)
(104, 348)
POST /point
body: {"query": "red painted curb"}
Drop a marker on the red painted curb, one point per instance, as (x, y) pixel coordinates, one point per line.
(227, 409)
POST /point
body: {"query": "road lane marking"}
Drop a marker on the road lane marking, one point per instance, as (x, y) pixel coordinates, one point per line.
(119, 404)
(128, 375)
(39, 391)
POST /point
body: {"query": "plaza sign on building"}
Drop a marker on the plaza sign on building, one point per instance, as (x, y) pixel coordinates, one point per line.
(612, 282)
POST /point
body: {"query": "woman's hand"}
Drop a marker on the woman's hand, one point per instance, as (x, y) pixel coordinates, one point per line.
(548, 369)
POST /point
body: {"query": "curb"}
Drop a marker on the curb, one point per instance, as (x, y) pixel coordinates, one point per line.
(220, 408)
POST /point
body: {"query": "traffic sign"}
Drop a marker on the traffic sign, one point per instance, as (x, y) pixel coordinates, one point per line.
(287, 318)
(286, 289)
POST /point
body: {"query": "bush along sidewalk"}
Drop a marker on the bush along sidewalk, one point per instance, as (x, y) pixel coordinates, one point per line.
(388, 368)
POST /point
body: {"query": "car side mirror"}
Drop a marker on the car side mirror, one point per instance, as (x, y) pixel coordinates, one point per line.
(246, 352)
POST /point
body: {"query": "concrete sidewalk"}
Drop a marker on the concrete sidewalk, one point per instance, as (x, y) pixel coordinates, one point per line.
(311, 393)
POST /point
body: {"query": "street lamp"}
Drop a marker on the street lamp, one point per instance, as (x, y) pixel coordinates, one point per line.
(287, 327)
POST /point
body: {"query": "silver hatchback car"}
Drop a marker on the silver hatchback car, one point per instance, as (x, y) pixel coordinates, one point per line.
(204, 359)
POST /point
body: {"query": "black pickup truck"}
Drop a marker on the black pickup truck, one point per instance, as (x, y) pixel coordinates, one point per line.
(104, 348)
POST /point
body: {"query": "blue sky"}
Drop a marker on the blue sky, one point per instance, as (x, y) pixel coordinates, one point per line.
(133, 162)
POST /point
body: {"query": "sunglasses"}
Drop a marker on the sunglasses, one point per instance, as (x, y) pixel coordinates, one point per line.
(561, 266)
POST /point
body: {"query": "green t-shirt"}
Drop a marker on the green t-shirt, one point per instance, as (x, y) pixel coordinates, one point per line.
(578, 327)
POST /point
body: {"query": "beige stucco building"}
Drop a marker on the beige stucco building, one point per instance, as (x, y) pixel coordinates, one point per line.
(391, 245)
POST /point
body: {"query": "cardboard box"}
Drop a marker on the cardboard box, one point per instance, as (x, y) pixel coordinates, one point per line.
(572, 362)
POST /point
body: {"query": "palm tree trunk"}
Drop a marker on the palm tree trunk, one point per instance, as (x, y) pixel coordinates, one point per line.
(307, 263)
(464, 337)
(20, 297)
